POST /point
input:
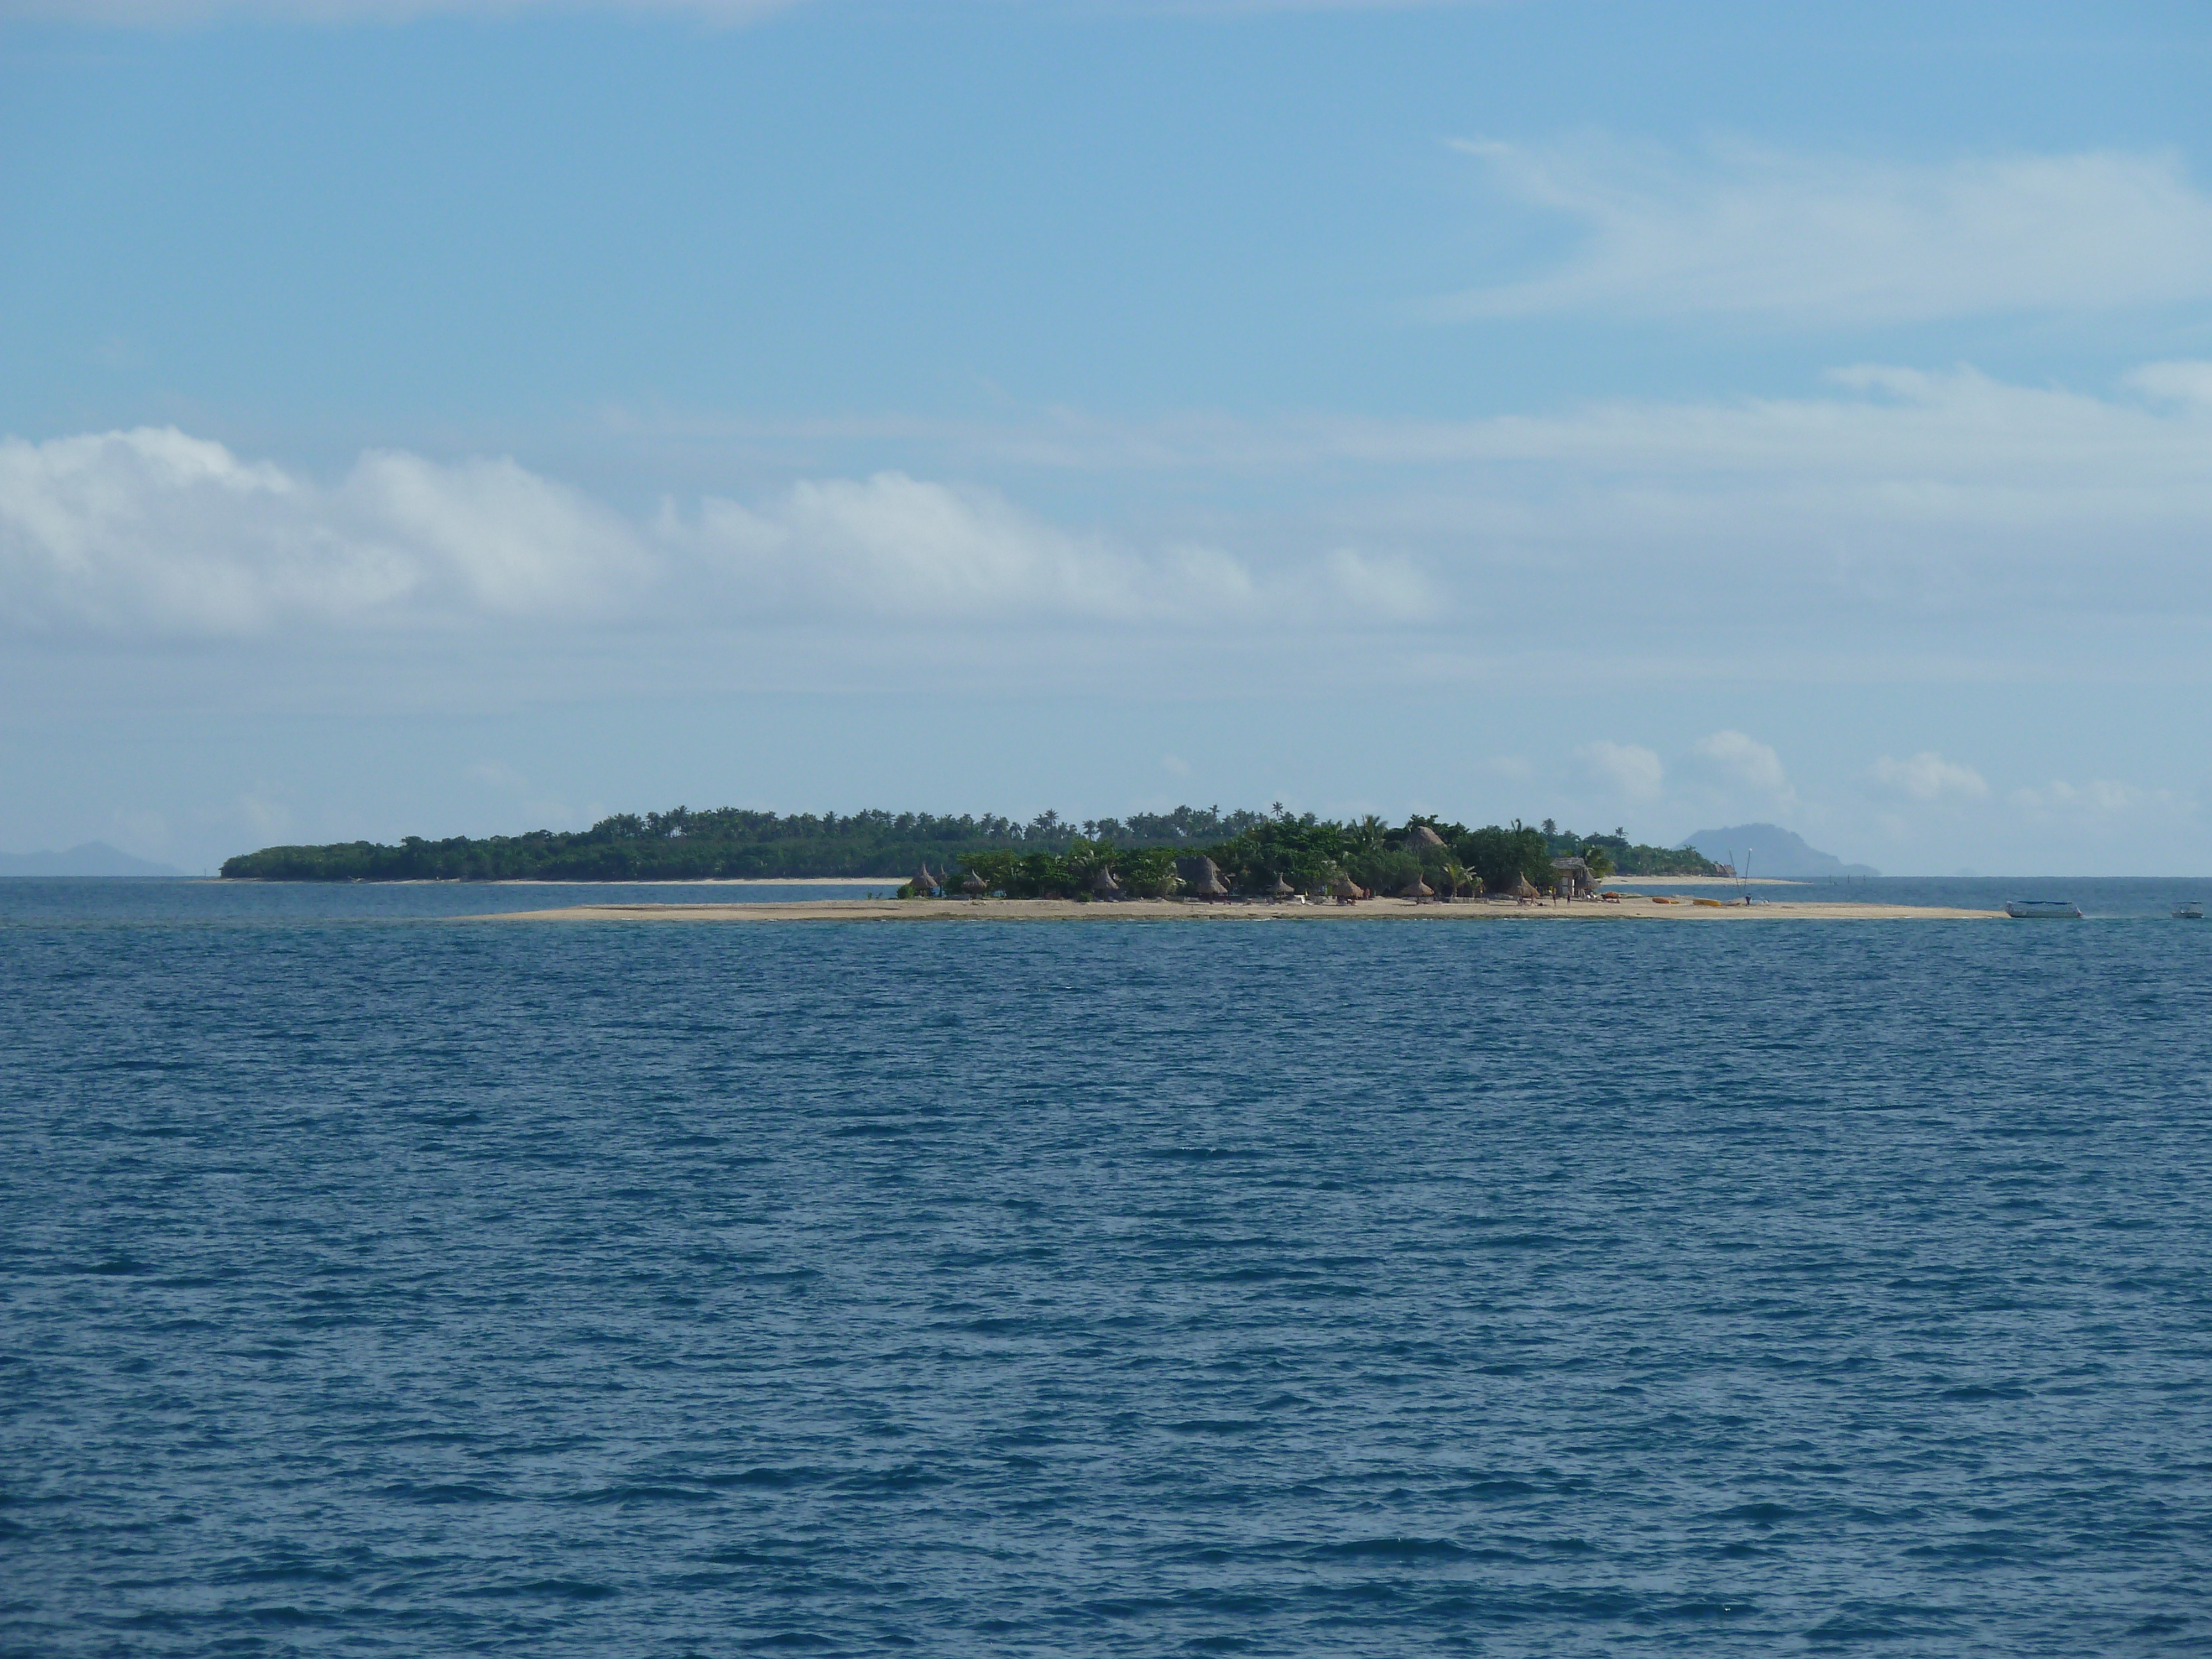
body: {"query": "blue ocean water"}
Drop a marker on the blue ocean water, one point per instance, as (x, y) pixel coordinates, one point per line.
(372, 1282)
(256, 904)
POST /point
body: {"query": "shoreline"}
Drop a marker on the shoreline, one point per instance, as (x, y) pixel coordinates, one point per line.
(561, 881)
(1703, 881)
(829, 881)
(1384, 910)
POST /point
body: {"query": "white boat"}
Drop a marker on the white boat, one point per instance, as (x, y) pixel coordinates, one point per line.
(2034, 909)
(2189, 910)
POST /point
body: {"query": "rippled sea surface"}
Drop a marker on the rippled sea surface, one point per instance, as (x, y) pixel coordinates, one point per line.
(381, 1286)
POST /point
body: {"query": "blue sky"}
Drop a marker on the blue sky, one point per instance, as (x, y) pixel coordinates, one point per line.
(463, 417)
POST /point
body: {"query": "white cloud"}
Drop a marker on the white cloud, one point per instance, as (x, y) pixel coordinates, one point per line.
(1896, 496)
(2186, 382)
(896, 546)
(1744, 760)
(1386, 585)
(497, 536)
(1630, 771)
(1927, 776)
(1897, 491)
(152, 531)
(1840, 240)
(1904, 492)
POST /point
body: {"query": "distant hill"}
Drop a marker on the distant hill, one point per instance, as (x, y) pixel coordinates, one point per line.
(1774, 851)
(91, 858)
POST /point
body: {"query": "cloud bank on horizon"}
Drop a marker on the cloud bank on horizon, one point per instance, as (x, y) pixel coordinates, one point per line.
(1902, 495)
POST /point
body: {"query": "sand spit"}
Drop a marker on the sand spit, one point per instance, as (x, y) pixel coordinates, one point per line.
(1703, 881)
(1630, 910)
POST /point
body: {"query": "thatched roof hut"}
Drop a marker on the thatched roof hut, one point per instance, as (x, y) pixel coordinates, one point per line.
(1421, 835)
(1417, 890)
(1282, 890)
(1201, 877)
(923, 882)
(1523, 889)
(1103, 885)
(974, 886)
(1343, 889)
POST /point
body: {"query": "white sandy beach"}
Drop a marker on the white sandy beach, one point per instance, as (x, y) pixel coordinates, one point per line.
(893, 882)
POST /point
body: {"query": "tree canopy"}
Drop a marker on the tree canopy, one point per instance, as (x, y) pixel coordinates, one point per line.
(1048, 854)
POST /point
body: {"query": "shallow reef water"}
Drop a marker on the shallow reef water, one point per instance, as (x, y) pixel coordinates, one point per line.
(376, 1283)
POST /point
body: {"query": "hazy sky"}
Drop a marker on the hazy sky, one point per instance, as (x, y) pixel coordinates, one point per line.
(459, 416)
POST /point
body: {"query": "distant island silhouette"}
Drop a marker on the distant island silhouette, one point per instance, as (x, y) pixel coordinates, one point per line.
(1243, 852)
(90, 857)
(1771, 850)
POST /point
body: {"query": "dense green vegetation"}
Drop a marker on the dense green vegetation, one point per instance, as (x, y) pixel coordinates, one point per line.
(1308, 854)
(1048, 854)
(688, 846)
(1628, 859)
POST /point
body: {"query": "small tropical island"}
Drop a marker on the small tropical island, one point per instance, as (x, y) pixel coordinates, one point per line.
(1201, 853)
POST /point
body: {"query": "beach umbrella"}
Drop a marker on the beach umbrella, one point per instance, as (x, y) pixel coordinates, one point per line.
(1283, 890)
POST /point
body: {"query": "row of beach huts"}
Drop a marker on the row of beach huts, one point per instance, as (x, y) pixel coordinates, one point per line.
(1198, 880)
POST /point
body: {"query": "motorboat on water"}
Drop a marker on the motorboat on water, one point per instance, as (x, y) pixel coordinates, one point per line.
(2189, 910)
(2040, 909)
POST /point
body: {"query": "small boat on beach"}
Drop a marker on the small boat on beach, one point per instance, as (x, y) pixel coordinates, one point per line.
(2189, 910)
(2040, 909)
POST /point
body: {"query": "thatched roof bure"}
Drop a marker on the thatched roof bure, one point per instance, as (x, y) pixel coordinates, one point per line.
(1421, 835)
(1201, 877)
